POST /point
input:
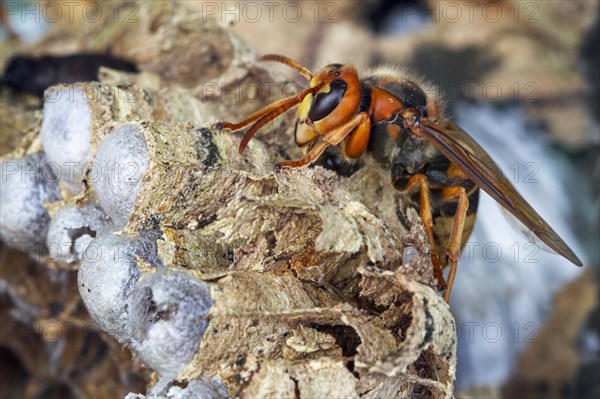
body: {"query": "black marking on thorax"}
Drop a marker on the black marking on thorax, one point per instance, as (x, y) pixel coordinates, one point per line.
(365, 99)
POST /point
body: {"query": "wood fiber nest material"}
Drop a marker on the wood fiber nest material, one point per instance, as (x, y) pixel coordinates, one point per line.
(308, 282)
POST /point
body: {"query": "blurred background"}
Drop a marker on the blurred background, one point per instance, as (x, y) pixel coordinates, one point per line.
(520, 76)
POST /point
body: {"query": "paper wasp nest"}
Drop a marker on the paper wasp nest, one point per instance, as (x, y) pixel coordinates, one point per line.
(222, 276)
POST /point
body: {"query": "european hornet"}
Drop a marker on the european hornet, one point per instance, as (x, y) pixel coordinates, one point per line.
(434, 162)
